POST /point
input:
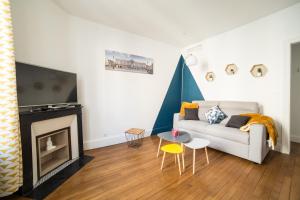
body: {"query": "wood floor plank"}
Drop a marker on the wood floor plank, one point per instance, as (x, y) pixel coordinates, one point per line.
(278, 184)
(295, 182)
(264, 187)
(118, 172)
(285, 190)
(233, 184)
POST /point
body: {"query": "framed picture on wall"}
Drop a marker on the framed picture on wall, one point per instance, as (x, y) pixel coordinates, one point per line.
(118, 61)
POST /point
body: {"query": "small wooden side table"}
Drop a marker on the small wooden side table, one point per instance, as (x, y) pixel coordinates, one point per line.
(198, 143)
(134, 137)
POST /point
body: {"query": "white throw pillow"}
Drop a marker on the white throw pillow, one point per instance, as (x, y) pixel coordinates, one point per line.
(215, 115)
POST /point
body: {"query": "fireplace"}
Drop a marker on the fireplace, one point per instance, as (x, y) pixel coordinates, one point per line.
(53, 150)
(62, 133)
(44, 169)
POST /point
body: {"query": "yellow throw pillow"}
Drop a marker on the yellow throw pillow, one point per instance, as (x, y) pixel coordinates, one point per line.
(185, 105)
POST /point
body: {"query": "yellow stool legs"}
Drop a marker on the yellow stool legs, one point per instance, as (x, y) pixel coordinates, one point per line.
(176, 157)
(179, 167)
(173, 149)
(163, 160)
(182, 156)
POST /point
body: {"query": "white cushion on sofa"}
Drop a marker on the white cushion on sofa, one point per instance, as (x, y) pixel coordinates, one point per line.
(194, 125)
(207, 104)
(201, 113)
(228, 107)
(204, 106)
(249, 106)
(217, 130)
(233, 134)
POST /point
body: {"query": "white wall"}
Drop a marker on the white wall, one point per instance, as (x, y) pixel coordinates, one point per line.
(113, 101)
(295, 93)
(263, 41)
(116, 101)
(41, 34)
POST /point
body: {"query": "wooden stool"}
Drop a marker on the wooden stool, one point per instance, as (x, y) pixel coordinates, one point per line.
(172, 149)
(134, 137)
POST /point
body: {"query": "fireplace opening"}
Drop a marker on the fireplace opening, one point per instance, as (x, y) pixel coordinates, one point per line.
(53, 150)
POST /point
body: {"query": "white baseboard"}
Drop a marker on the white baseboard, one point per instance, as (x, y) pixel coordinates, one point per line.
(107, 141)
(295, 138)
(103, 142)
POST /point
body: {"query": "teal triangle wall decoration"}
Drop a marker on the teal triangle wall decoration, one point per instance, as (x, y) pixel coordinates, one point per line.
(190, 90)
(183, 87)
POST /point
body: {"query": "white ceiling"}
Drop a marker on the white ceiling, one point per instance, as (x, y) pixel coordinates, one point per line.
(177, 22)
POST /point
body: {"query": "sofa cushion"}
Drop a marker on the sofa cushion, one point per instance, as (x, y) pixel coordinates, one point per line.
(233, 134)
(198, 126)
(236, 108)
(237, 121)
(201, 113)
(251, 107)
(231, 112)
(215, 115)
(204, 106)
(191, 114)
(185, 105)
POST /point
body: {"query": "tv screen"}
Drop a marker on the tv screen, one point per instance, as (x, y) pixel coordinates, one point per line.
(41, 86)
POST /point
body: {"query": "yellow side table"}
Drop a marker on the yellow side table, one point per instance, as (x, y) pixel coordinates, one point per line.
(172, 149)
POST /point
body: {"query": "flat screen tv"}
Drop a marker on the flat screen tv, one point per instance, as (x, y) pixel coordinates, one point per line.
(37, 86)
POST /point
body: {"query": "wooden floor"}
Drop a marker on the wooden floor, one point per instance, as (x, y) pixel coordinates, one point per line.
(119, 172)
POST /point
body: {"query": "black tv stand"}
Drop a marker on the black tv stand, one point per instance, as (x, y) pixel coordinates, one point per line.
(39, 109)
(46, 108)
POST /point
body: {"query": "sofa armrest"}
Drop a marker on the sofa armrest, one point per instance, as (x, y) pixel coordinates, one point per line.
(258, 147)
(176, 119)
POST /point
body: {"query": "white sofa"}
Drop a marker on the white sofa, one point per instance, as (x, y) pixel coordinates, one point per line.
(251, 146)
